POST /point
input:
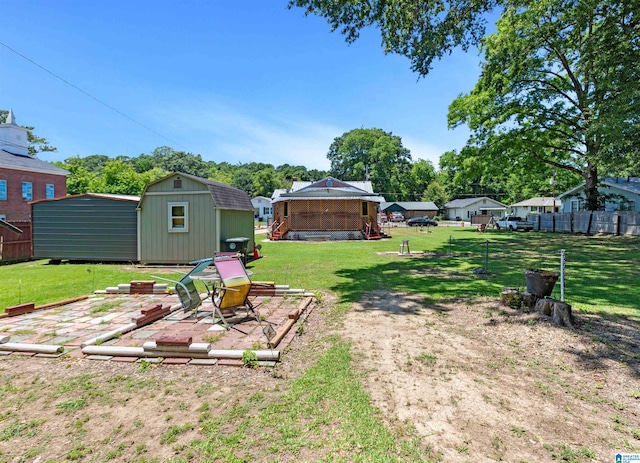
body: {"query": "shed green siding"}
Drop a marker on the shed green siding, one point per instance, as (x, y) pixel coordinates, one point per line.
(159, 244)
(85, 228)
(235, 224)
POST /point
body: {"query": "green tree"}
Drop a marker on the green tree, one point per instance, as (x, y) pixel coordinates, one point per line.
(170, 160)
(37, 144)
(243, 180)
(371, 154)
(560, 85)
(93, 163)
(421, 174)
(436, 193)
(265, 181)
(118, 177)
(80, 179)
(420, 30)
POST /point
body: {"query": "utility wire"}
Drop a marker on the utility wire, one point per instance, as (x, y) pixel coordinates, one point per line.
(90, 95)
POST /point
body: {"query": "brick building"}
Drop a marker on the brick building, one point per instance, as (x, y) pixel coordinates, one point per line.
(24, 178)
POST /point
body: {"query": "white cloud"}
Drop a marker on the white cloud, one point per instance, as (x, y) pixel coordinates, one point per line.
(221, 133)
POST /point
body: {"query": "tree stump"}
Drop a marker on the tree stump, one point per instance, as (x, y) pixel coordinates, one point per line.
(558, 310)
(530, 299)
(511, 297)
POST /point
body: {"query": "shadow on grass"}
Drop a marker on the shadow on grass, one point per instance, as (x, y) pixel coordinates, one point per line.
(432, 278)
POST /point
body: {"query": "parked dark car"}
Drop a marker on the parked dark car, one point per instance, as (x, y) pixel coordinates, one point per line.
(422, 222)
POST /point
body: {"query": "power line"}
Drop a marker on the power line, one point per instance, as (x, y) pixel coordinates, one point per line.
(90, 95)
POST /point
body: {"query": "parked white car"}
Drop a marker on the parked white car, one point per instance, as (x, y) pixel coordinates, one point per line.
(512, 222)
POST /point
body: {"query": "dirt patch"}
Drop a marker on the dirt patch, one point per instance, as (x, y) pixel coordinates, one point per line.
(477, 381)
(483, 382)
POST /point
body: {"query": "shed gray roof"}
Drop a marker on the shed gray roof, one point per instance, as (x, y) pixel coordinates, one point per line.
(15, 161)
(411, 205)
(116, 197)
(225, 196)
(9, 226)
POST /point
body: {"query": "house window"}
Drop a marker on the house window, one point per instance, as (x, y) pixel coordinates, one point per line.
(177, 183)
(266, 210)
(576, 205)
(3, 190)
(27, 191)
(365, 208)
(178, 217)
(50, 190)
(286, 209)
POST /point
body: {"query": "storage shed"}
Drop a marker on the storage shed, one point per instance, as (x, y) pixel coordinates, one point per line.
(183, 218)
(87, 227)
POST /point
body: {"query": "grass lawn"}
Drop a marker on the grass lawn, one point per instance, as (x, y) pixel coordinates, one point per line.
(601, 272)
(322, 413)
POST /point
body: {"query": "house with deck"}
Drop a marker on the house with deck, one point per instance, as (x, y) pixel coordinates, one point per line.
(329, 209)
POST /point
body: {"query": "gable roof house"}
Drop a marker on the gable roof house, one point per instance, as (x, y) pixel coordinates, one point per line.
(464, 209)
(182, 218)
(411, 208)
(535, 206)
(621, 194)
(326, 209)
(263, 208)
(24, 178)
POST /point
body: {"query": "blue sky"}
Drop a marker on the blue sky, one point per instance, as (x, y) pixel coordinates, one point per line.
(236, 81)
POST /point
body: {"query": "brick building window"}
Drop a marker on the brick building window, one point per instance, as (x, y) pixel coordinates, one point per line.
(27, 191)
(3, 190)
(50, 191)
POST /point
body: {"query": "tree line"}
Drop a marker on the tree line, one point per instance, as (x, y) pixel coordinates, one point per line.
(360, 154)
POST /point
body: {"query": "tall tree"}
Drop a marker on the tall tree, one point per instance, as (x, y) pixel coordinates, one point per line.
(560, 85)
(421, 174)
(371, 154)
(420, 30)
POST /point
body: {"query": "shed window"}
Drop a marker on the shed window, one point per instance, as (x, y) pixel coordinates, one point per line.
(50, 190)
(177, 183)
(178, 217)
(3, 190)
(27, 191)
